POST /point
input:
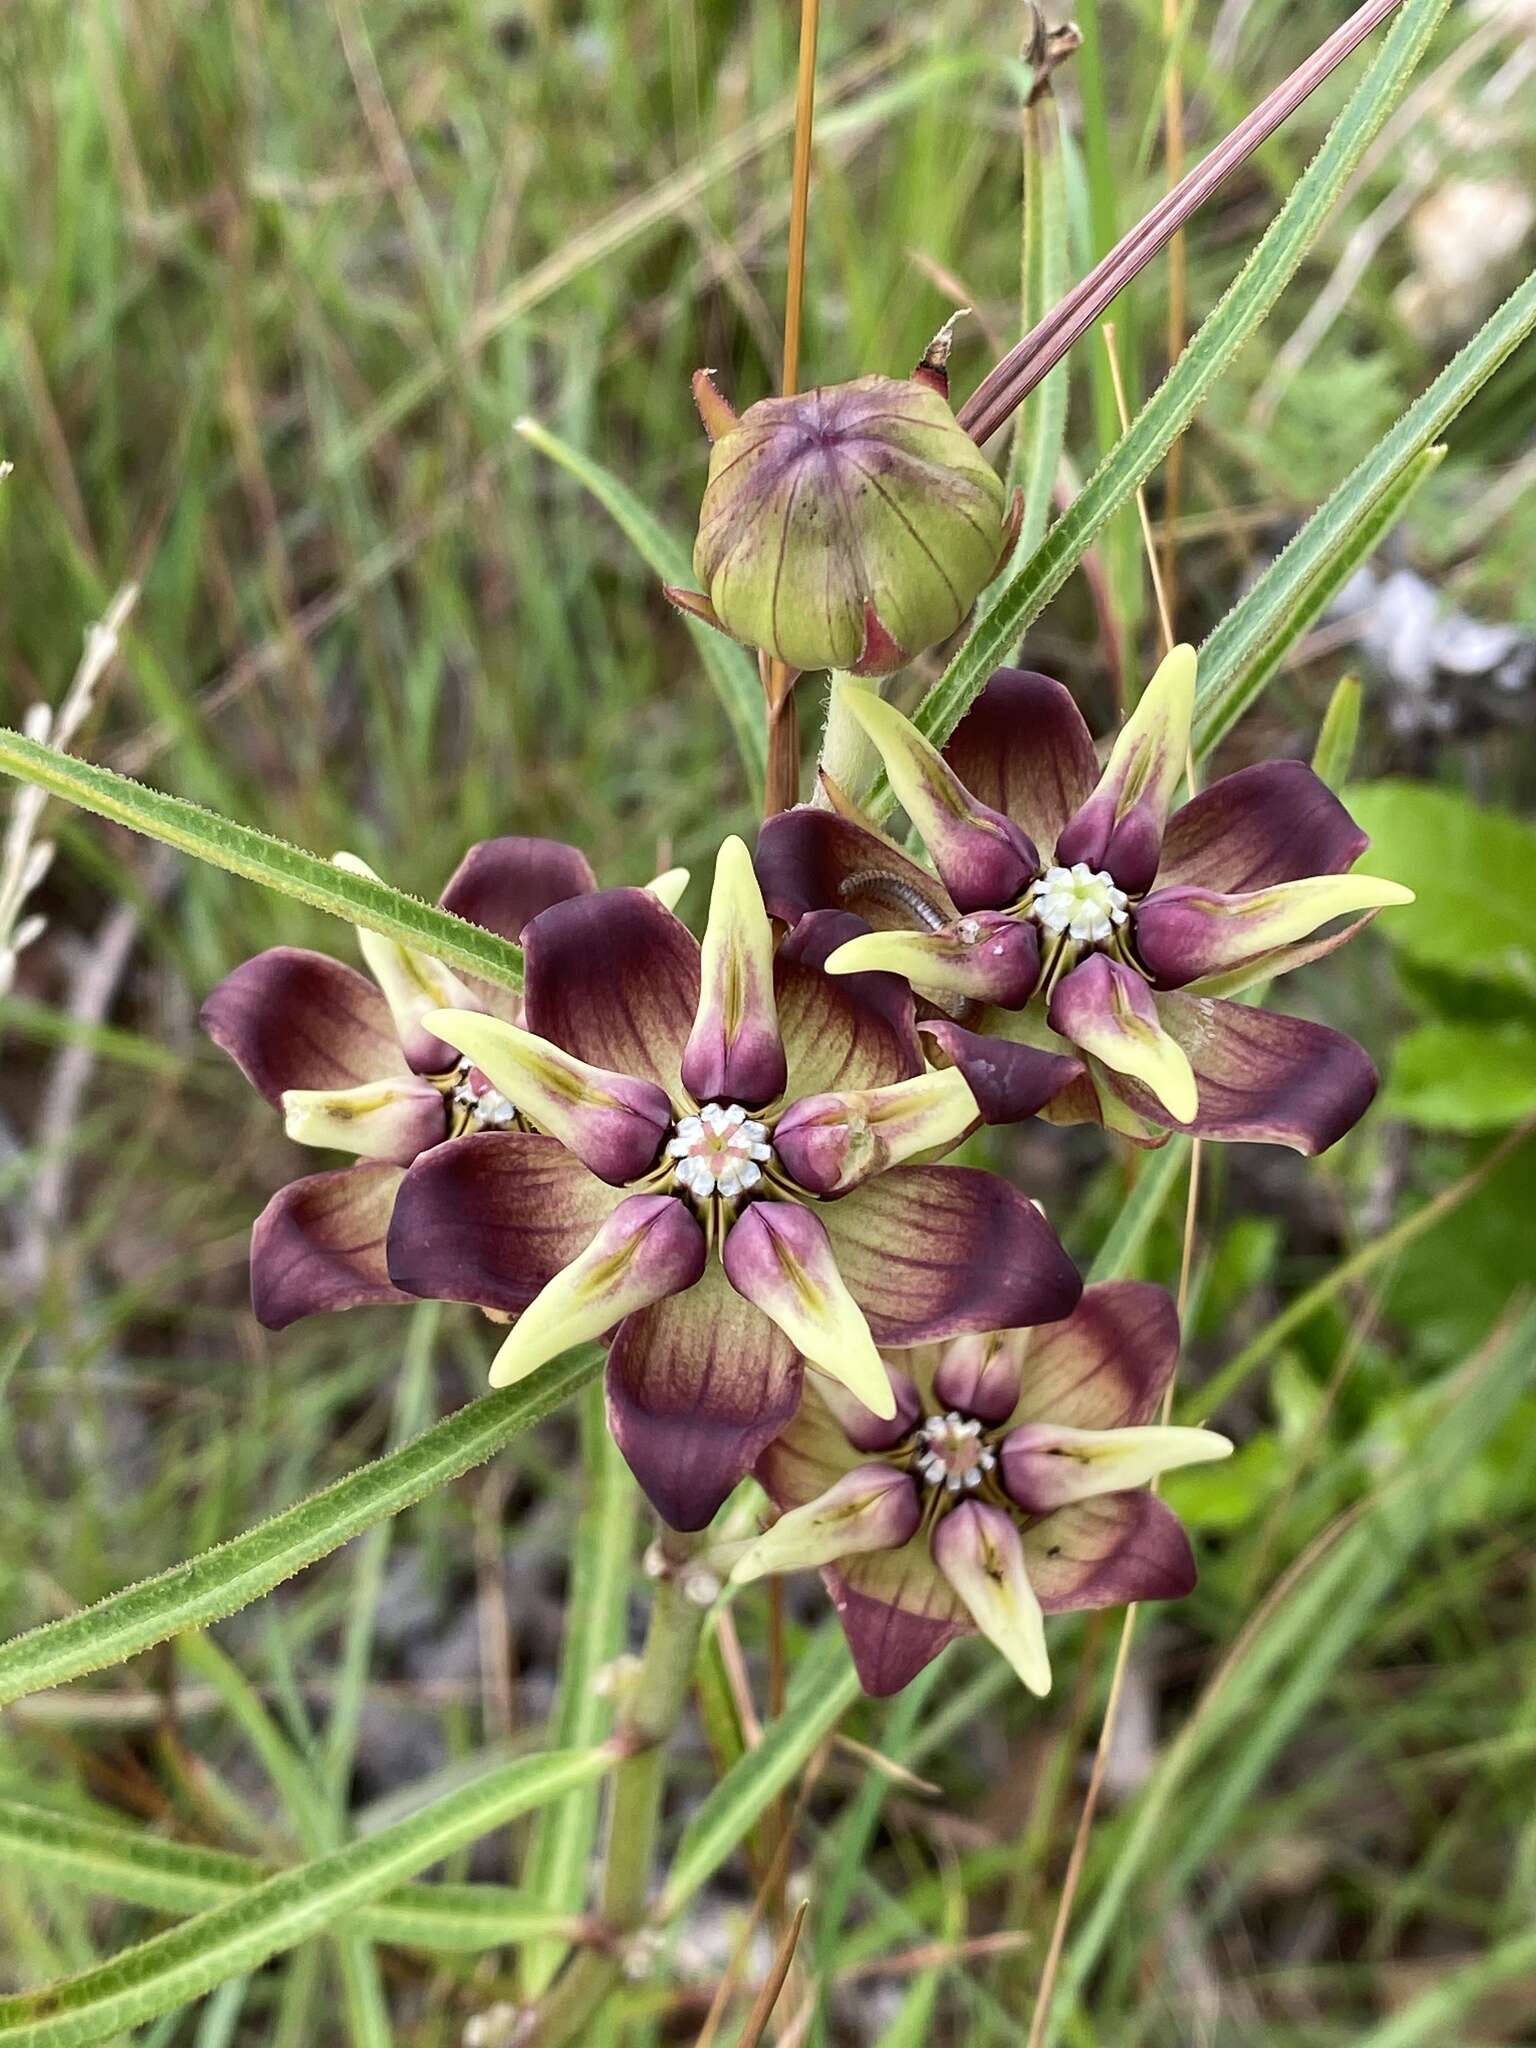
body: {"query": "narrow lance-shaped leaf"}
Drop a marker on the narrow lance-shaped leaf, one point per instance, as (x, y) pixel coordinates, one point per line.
(258, 857)
(171, 1969)
(219, 1581)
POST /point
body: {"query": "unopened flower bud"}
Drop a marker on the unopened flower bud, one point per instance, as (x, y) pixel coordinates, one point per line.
(849, 528)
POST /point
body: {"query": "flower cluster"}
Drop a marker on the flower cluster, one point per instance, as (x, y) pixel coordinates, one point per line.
(726, 1159)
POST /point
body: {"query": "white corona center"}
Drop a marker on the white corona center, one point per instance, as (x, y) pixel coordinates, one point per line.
(488, 1107)
(721, 1151)
(1082, 902)
(953, 1454)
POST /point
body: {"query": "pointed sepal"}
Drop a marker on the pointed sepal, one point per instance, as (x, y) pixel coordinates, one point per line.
(392, 1119)
(874, 1507)
(778, 1255)
(693, 603)
(734, 1053)
(715, 410)
(1047, 1466)
(1185, 934)
(650, 1247)
(977, 1549)
(1119, 829)
(986, 956)
(984, 860)
(1110, 1012)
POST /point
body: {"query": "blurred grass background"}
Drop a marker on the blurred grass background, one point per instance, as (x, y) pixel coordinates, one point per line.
(278, 281)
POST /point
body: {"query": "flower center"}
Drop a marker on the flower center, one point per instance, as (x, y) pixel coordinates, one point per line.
(1083, 903)
(952, 1453)
(481, 1108)
(721, 1151)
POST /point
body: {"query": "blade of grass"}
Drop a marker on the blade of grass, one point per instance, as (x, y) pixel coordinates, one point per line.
(1241, 310)
(258, 857)
(228, 1940)
(220, 1580)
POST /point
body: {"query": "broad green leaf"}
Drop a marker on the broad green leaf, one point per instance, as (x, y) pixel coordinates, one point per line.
(1240, 655)
(824, 1687)
(220, 1580)
(258, 857)
(228, 1940)
(171, 1877)
(1034, 581)
(601, 1570)
(1247, 649)
(731, 669)
(1473, 873)
(1464, 1077)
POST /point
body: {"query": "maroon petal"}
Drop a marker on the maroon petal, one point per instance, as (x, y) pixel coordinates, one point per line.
(1023, 749)
(1269, 1079)
(1009, 1081)
(840, 1031)
(1107, 1553)
(698, 1386)
(614, 978)
(502, 883)
(493, 1218)
(1107, 1366)
(810, 859)
(293, 1019)
(979, 1375)
(933, 1251)
(897, 1613)
(1274, 822)
(319, 1244)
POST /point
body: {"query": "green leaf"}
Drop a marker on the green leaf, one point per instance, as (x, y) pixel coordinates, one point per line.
(602, 1562)
(1334, 753)
(172, 1968)
(1030, 586)
(1156, 1178)
(1041, 434)
(220, 1580)
(731, 669)
(1473, 873)
(171, 1877)
(825, 1686)
(1464, 1077)
(258, 857)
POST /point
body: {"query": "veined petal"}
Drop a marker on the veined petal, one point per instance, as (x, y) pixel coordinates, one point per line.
(829, 1143)
(1108, 1364)
(1271, 1079)
(1120, 828)
(668, 886)
(613, 1123)
(874, 1507)
(734, 1052)
(987, 956)
(319, 1244)
(898, 1612)
(1024, 750)
(651, 1246)
(502, 883)
(929, 1252)
(977, 1549)
(981, 1375)
(1184, 933)
(295, 1019)
(391, 1119)
(778, 1255)
(848, 1031)
(699, 1385)
(492, 1218)
(1276, 821)
(614, 979)
(413, 983)
(810, 859)
(1009, 1081)
(1109, 1011)
(984, 859)
(1107, 1553)
(1046, 1465)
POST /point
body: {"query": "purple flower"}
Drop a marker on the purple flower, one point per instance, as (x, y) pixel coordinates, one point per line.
(1010, 1484)
(1070, 911)
(719, 1172)
(351, 1066)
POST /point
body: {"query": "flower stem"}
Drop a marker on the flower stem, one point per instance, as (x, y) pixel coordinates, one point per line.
(652, 1705)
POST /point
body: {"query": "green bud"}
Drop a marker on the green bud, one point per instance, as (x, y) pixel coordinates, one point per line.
(847, 528)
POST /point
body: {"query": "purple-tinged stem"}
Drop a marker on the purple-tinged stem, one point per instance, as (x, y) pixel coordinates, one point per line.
(1006, 387)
